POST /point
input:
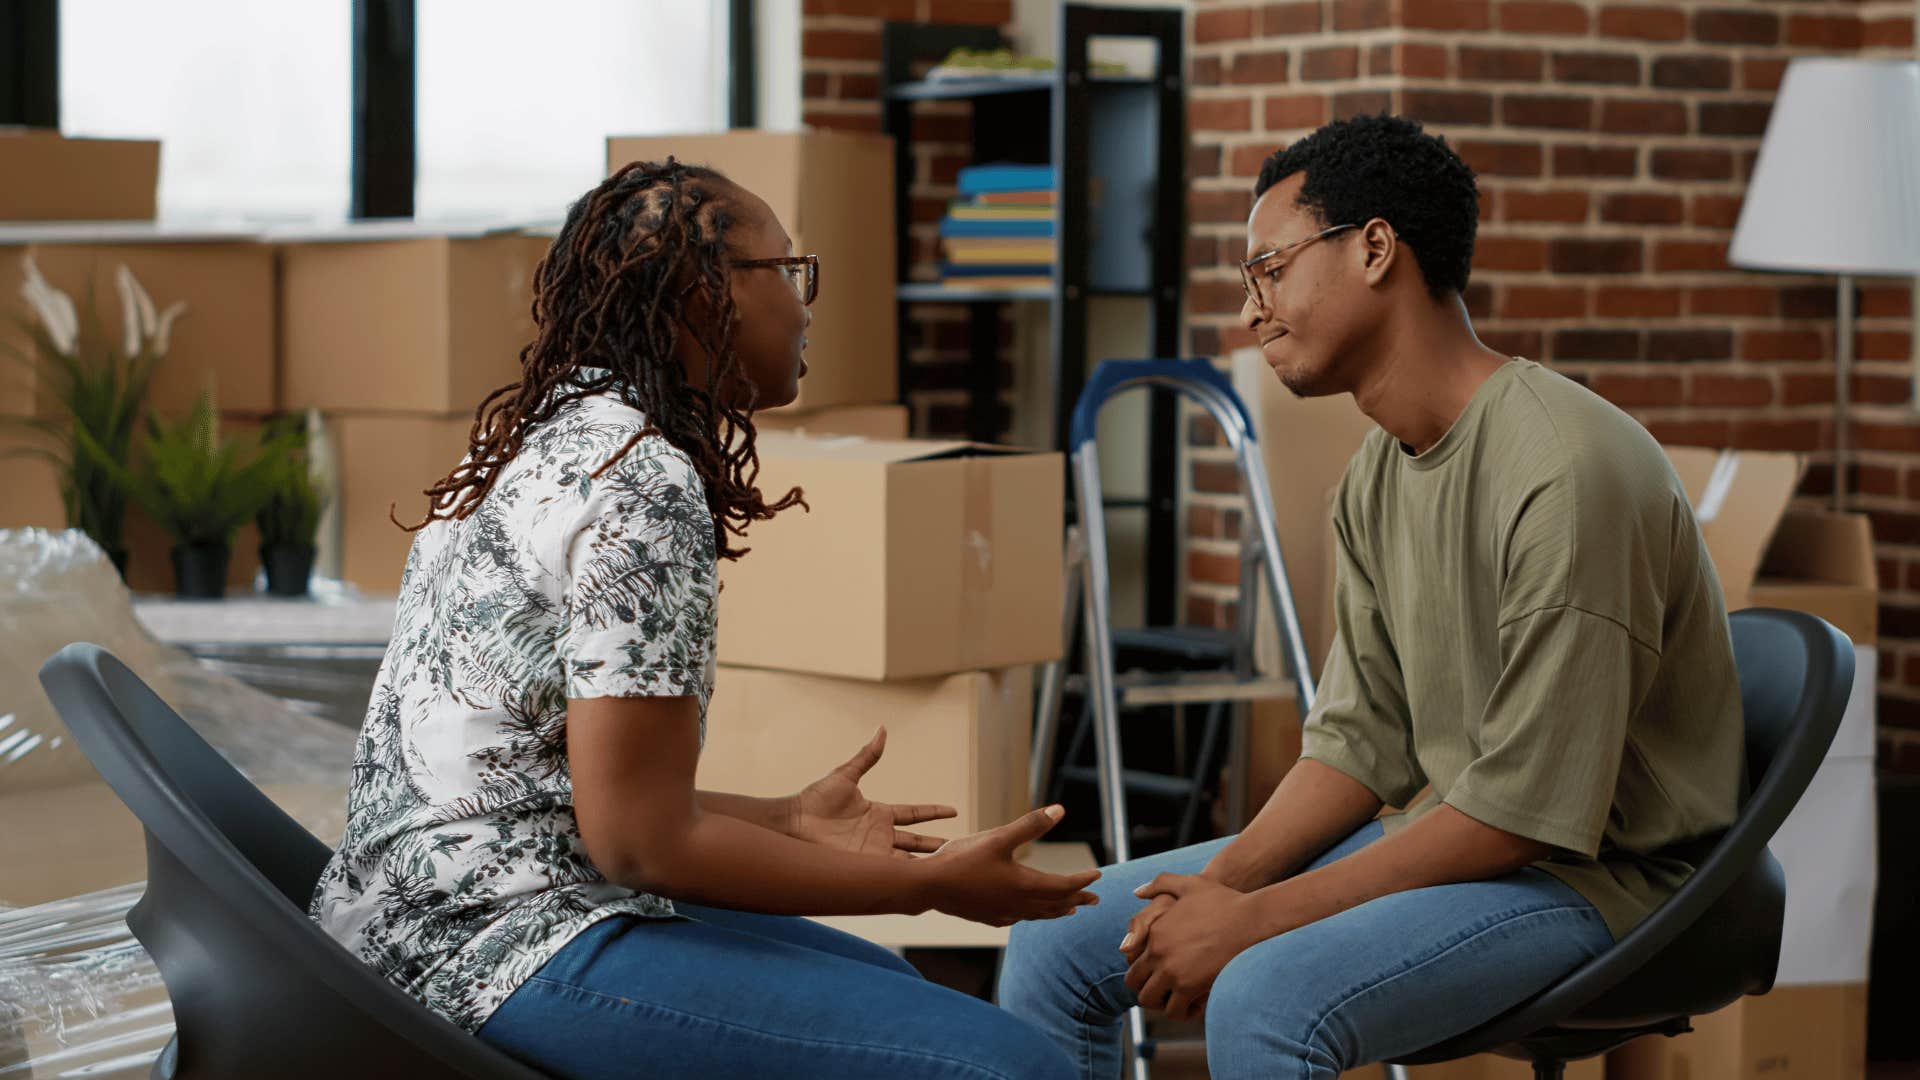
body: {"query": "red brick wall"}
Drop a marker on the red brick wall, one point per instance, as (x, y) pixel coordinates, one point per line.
(1612, 142)
(840, 82)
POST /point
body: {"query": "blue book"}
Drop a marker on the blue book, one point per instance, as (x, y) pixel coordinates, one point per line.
(1019, 270)
(999, 229)
(981, 179)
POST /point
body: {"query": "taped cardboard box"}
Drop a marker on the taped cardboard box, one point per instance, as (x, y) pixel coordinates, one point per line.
(834, 193)
(1792, 1033)
(383, 461)
(224, 341)
(866, 421)
(51, 177)
(403, 318)
(917, 558)
(959, 739)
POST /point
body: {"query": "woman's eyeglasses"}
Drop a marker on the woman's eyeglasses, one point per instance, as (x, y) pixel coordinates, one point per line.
(803, 271)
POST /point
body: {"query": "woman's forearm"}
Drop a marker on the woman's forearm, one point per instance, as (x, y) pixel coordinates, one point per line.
(720, 860)
(775, 814)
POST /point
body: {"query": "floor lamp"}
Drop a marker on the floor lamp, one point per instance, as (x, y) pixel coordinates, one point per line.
(1836, 190)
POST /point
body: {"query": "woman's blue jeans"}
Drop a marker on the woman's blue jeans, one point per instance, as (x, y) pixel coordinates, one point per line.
(721, 994)
(1387, 978)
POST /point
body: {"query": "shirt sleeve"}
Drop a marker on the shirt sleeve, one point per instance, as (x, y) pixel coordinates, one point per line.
(1555, 728)
(641, 593)
(1360, 723)
(1572, 671)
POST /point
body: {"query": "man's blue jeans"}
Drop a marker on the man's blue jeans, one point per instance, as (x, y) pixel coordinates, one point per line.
(1383, 979)
(721, 994)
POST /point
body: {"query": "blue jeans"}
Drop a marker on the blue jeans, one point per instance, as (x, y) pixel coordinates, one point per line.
(726, 994)
(1383, 979)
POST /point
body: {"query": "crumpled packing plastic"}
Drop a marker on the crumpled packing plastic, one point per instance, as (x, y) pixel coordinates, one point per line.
(78, 995)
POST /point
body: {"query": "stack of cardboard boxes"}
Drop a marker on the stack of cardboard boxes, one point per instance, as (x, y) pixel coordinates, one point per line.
(917, 591)
(396, 333)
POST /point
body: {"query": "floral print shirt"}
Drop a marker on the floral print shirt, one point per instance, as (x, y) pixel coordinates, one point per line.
(462, 870)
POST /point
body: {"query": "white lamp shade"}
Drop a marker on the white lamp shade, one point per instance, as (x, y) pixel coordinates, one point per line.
(1837, 185)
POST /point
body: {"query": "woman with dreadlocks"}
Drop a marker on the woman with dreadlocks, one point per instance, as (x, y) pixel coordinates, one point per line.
(525, 851)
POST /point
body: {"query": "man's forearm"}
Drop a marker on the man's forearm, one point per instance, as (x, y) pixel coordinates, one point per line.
(1315, 807)
(775, 814)
(1442, 848)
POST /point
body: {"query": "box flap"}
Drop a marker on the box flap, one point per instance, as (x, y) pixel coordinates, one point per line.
(1820, 545)
(1738, 501)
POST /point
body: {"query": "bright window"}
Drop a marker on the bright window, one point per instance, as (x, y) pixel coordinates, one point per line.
(252, 102)
(516, 99)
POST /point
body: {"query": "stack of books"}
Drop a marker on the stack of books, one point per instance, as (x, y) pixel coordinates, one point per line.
(1000, 233)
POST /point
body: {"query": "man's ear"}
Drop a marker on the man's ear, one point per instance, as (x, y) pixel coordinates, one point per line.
(1381, 248)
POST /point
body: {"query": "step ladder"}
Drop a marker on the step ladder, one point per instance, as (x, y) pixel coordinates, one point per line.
(1088, 610)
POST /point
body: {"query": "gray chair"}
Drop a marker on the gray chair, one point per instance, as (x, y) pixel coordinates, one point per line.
(258, 989)
(1718, 938)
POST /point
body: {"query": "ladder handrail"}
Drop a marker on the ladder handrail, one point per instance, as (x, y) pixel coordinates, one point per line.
(1186, 376)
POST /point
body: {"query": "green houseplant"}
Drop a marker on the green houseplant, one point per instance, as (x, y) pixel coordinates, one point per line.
(202, 488)
(96, 390)
(291, 517)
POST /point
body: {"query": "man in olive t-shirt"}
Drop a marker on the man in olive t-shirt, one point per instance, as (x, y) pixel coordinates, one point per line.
(1532, 656)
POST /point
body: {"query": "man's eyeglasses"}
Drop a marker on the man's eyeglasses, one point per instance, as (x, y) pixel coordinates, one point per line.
(803, 271)
(1253, 270)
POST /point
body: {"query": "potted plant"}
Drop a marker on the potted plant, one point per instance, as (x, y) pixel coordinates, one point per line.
(202, 488)
(96, 392)
(291, 518)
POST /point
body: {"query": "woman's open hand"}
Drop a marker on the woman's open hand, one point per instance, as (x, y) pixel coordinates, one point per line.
(833, 811)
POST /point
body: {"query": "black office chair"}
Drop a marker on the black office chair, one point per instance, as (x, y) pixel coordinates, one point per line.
(258, 989)
(1718, 937)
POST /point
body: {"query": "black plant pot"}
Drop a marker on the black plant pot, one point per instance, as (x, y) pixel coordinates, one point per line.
(200, 570)
(289, 566)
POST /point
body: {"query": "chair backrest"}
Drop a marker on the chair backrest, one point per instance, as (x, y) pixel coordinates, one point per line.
(258, 989)
(1796, 673)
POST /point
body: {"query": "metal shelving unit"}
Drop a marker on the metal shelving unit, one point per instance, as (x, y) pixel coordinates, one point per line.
(1123, 136)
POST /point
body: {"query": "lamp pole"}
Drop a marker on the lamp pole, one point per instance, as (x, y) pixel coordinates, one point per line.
(1842, 389)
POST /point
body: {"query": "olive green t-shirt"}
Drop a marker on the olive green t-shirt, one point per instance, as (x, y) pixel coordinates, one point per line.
(1527, 621)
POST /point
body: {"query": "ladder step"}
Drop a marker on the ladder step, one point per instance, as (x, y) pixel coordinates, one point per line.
(1141, 688)
(1163, 785)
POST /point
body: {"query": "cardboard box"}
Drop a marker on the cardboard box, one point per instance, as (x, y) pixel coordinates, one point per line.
(223, 341)
(833, 191)
(1792, 1033)
(403, 318)
(960, 739)
(917, 558)
(1305, 444)
(31, 483)
(51, 177)
(1482, 1067)
(866, 421)
(382, 461)
(1770, 553)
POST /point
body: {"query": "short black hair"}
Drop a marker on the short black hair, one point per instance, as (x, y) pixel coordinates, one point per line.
(1388, 167)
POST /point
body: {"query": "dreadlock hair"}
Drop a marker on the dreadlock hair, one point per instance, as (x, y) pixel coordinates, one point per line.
(609, 295)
